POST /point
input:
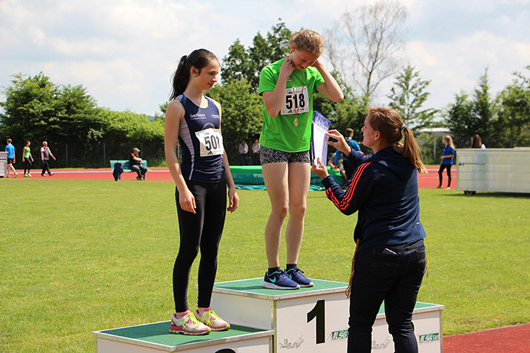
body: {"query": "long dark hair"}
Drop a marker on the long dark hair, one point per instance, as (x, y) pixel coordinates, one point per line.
(199, 59)
(477, 142)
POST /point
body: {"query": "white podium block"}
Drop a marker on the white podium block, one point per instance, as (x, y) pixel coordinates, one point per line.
(155, 337)
(313, 319)
(309, 319)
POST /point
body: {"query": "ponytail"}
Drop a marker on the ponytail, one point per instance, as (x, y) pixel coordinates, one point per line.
(389, 123)
(412, 151)
(199, 59)
(180, 78)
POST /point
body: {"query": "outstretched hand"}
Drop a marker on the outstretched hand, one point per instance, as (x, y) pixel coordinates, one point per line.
(319, 169)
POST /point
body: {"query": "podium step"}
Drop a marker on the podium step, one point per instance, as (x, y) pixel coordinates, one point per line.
(309, 320)
(155, 337)
(314, 319)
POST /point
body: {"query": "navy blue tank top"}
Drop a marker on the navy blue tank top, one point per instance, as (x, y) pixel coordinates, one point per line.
(206, 168)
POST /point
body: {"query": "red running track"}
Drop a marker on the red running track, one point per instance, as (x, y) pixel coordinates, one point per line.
(429, 180)
(512, 339)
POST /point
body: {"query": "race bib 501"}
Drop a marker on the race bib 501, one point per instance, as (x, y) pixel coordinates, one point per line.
(210, 141)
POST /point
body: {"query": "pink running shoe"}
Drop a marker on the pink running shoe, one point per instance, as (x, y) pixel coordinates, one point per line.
(187, 324)
(210, 319)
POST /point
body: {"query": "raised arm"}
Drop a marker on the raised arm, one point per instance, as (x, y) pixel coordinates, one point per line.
(273, 100)
(330, 88)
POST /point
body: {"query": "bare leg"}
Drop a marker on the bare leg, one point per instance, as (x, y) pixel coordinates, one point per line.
(299, 180)
(275, 176)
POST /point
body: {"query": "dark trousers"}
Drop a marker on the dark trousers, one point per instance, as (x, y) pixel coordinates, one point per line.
(348, 169)
(27, 166)
(440, 173)
(45, 167)
(394, 279)
(200, 231)
(243, 158)
(139, 169)
(255, 158)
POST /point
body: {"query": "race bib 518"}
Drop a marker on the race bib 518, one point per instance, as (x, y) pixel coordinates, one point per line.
(296, 101)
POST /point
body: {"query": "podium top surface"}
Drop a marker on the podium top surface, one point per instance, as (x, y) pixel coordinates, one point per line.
(252, 288)
(157, 335)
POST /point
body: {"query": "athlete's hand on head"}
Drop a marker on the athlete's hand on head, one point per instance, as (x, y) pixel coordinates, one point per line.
(318, 64)
(233, 200)
(287, 67)
(319, 169)
(187, 201)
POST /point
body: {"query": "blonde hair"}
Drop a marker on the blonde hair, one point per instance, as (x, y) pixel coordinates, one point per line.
(449, 140)
(390, 125)
(308, 41)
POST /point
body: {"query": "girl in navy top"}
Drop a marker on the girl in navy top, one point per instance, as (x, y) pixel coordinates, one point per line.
(201, 180)
(389, 260)
(448, 154)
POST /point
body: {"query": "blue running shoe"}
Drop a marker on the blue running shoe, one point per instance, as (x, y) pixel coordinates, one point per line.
(279, 280)
(296, 275)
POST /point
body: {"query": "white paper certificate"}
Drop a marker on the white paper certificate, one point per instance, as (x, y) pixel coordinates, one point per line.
(319, 139)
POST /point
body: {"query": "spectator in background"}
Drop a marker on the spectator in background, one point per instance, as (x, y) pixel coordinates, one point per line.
(345, 164)
(255, 152)
(27, 159)
(10, 149)
(448, 154)
(45, 155)
(243, 152)
(135, 164)
(477, 142)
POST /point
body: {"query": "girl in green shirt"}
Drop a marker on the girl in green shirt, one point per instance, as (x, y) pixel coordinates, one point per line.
(27, 159)
(287, 88)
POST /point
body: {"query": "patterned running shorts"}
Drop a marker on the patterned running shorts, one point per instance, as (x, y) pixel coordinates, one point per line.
(269, 155)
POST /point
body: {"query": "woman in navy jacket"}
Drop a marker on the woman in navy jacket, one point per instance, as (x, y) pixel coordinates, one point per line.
(389, 260)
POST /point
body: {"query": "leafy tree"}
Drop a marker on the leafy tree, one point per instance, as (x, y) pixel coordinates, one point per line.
(364, 44)
(237, 64)
(485, 112)
(460, 119)
(241, 114)
(476, 115)
(513, 125)
(36, 109)
(408, 96)
(129, 126)
(247, 63)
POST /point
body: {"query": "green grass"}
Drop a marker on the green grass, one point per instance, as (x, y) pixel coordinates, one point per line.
(81, 256)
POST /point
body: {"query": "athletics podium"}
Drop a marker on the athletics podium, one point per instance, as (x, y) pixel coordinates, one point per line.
(274, 321)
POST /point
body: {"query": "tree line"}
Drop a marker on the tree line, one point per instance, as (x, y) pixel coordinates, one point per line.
(363, 47)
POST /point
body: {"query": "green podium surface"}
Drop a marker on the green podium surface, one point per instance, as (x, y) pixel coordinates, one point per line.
(155, 337)
(309, 320)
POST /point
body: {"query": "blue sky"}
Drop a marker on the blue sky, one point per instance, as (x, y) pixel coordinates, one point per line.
(125, 51)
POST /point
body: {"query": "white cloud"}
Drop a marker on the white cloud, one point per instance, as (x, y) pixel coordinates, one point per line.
(125, 51)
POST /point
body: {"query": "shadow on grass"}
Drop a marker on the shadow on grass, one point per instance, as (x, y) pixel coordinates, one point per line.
(490, 195)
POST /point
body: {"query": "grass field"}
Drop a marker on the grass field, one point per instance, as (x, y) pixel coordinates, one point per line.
(78, 256)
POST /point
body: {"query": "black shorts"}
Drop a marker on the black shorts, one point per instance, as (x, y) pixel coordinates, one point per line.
(269, 155)
(10, 160)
